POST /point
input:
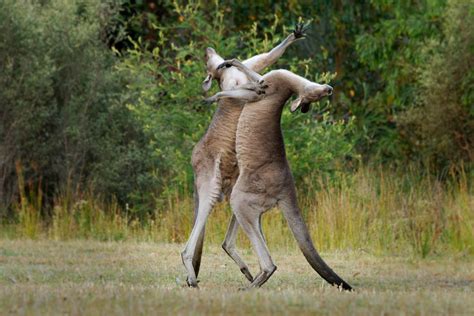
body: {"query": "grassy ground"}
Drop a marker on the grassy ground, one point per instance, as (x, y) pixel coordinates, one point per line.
(88, 277)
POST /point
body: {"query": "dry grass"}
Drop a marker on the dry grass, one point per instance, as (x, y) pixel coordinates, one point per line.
(383, 212)
(90, 277)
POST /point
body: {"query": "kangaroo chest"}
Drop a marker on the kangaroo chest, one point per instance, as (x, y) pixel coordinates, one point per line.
(259, 140)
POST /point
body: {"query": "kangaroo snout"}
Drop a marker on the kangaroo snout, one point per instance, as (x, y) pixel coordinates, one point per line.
(328, 89)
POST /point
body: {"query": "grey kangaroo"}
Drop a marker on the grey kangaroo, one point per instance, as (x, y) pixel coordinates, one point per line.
(214, 159)
(265, 179)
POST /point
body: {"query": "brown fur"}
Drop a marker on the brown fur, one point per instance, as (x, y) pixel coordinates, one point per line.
(214, 160)
(265, 178)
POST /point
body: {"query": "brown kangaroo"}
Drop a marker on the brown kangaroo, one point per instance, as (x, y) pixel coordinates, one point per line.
(265, 179)
(214, 160)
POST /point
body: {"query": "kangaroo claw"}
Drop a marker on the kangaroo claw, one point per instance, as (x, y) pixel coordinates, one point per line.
(192, 283)
(300, 30)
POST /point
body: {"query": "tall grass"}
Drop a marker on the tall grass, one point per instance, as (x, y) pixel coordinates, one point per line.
(374, 211)
(385, 212)
(29, 206)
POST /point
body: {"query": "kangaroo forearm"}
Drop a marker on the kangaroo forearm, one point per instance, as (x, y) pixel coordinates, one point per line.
(260, 62)
(238, 95)
(252, 75)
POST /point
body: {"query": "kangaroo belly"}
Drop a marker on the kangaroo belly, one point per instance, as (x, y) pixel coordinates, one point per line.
(218, 144)
(260, 149)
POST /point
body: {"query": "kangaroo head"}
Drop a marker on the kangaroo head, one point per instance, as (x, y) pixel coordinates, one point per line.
(312, 92)
(212, 61)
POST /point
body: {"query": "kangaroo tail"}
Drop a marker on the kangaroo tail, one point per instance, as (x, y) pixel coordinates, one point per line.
(300, 231)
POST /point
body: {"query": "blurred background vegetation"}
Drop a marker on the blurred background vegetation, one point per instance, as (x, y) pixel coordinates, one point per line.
(100, 107)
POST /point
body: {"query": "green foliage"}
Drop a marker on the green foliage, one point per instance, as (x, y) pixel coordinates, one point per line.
(390, 52)
(440, 127)
(323, 147)
(100, 107)
(61, 117)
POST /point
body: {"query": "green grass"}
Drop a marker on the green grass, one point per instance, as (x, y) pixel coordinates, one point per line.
(125, 278)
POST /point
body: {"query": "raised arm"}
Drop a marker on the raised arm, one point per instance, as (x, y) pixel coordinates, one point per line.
(242, 95)
(251, 74)
(259, 62)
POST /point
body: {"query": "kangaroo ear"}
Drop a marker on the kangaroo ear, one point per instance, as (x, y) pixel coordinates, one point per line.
(300, 103)
(296, 104)
(206, 84)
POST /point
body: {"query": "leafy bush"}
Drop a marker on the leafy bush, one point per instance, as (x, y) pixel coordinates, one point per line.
(80, 119)
(61, 117)
(389, 51)
(440, 128)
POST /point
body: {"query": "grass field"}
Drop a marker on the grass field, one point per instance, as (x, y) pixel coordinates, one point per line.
(112, 278)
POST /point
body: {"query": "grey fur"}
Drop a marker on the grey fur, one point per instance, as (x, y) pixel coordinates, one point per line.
(265, 178)
(214, 160)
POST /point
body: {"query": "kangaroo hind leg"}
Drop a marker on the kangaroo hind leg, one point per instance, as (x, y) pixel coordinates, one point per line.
(209, 189)
(248, 214)
(229, 247)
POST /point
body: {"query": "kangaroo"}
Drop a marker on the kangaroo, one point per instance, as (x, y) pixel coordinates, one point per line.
(265, 179)
(213, 159)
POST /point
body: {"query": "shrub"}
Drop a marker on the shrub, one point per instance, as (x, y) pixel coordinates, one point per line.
(440, 127)
(61, 117)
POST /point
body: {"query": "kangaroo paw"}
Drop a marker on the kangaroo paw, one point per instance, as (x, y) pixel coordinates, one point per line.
(247, 273)
(225, 64)
(209, 100)
(192, 283)
(300, 30)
